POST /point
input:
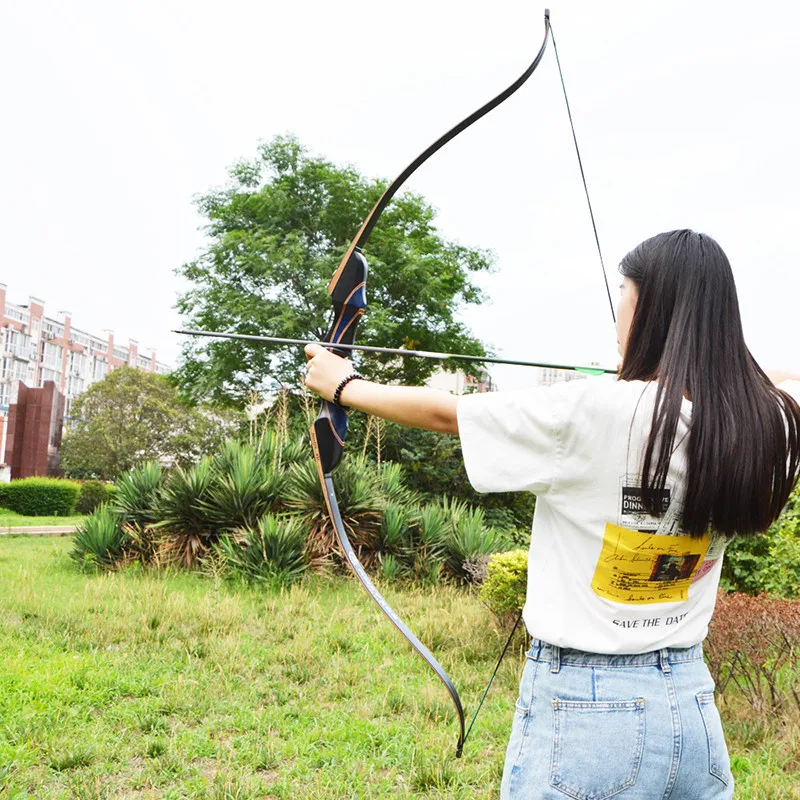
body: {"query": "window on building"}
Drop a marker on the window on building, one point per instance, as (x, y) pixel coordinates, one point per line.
(52, 355)
(77, 363)
(49, 375)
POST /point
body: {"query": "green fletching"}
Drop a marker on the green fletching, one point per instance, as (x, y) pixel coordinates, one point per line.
(589, 370)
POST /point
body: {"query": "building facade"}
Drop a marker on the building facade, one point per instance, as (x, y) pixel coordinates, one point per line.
(459, 382)
(547, 376)
(36, 348)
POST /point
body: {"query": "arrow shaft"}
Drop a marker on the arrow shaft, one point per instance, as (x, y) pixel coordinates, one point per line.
(394, 351)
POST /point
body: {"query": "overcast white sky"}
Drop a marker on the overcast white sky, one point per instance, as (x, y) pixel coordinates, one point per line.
(116, 114)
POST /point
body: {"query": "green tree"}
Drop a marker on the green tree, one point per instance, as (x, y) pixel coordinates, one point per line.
(277, 233)
(133, 416)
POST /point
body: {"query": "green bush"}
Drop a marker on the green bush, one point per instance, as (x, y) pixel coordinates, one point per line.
(770, 562)
(506, 584)
(248, 482)
(4, 495)
(42, 497)
(273, 551)
(137, 494)
(93, 494)
(184, 523)
(99, 542)
(469, 541)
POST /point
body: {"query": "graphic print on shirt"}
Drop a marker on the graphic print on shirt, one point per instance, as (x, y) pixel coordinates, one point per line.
(645, 559)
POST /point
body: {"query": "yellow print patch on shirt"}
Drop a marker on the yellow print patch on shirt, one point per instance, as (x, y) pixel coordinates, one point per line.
(640, 567)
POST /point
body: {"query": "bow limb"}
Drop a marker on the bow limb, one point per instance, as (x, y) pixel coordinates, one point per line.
(347, 289)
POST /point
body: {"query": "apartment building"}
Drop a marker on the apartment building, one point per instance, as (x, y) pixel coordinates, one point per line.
(36, 348)
(547, 376)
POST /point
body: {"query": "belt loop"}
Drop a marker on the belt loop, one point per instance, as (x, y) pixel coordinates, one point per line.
(556, 651)
(663, 660)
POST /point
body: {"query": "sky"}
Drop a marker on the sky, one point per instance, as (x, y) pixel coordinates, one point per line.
(116, 116)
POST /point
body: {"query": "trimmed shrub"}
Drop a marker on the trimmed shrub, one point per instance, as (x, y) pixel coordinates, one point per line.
(4, 495)
(506, 583)
(42, 497)
(93, 494)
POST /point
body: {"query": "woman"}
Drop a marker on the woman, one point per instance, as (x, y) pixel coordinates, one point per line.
(640, 485)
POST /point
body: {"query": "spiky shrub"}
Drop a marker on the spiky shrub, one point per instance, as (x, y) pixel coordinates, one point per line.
(99, 541)
(361, 497)
(272, 552)
(409, 542)
(249, 482)
(432, 528)
(136, 500)
(137, 494)
(468, 541)
(184, 525)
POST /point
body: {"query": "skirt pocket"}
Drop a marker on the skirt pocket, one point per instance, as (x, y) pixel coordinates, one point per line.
(597, 747)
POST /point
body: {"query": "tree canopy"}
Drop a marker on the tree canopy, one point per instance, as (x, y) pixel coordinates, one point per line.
(133, 416)
(277, 232)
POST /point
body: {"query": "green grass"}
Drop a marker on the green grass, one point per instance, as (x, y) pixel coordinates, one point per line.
(10, 519)
(140, 685)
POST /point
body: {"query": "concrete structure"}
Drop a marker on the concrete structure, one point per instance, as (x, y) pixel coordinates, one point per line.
(36, 348)
(35, 424)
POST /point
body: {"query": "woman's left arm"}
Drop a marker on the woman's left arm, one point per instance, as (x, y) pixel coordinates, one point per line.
(412, 406)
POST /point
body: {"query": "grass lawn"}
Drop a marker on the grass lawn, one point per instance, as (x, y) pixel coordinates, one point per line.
(10, 519)
(139, 685)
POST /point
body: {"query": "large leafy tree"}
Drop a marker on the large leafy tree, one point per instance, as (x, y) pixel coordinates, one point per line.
(277, 232)
(133, 416)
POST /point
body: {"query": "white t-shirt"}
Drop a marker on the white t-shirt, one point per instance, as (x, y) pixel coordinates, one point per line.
(603, 575)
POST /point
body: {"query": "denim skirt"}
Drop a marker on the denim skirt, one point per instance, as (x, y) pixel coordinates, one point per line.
(633, 727)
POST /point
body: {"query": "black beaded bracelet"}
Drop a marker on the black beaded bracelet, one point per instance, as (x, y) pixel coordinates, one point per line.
(338, 393)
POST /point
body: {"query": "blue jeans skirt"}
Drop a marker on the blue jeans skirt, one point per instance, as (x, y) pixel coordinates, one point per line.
(633, 727)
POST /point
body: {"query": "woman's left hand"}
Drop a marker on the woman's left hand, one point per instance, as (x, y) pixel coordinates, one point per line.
(326, 370)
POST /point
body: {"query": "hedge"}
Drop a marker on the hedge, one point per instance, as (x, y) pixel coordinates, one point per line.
(41, 497)
(93, 495)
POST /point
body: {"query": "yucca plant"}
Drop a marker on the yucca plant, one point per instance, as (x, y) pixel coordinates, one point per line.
(468, 539)
(395, 541)
(136, 500)
(246, 487)
(432, 528)
(184, 521)
(273, 551)
(99, 541)
(136, 496)
(361, 500)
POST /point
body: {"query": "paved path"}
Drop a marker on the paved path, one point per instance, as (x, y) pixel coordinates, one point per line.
(40, 530)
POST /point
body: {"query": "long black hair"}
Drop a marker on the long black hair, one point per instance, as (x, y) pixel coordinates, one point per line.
(686, 333)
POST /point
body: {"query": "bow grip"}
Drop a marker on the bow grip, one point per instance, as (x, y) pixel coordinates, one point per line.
(349, 297)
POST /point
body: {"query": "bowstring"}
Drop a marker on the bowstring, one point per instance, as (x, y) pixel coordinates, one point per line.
(613, 316)
(583, 176)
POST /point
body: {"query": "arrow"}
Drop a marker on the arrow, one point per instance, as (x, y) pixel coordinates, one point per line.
(399, 352)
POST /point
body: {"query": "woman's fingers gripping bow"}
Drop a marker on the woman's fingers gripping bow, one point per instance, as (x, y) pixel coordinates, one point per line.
(325, 370)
